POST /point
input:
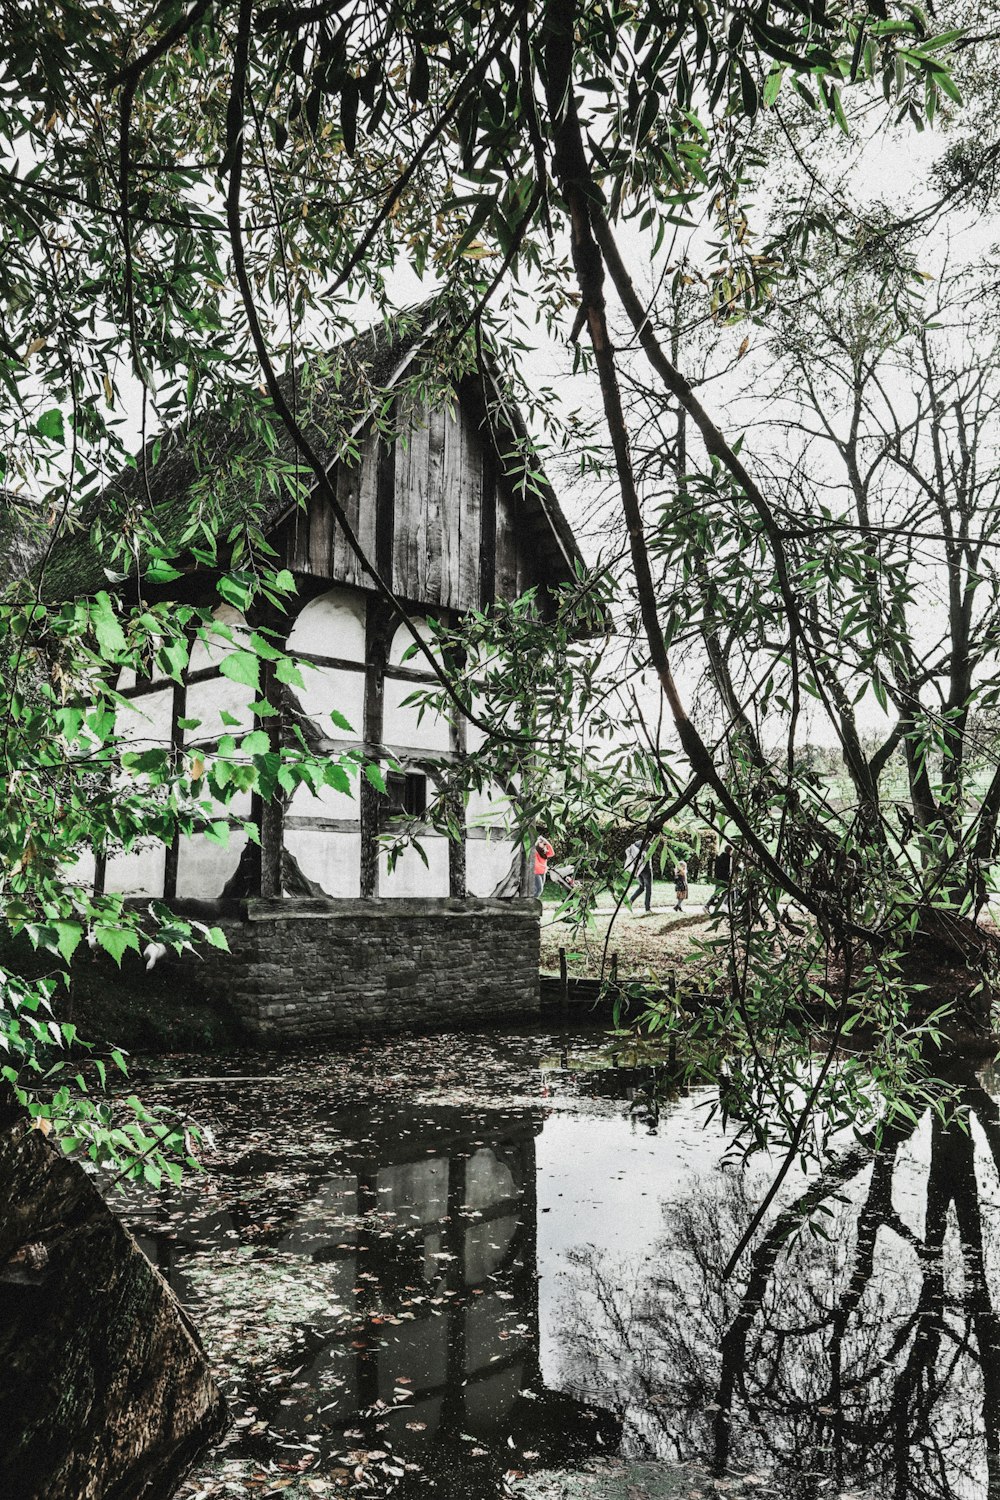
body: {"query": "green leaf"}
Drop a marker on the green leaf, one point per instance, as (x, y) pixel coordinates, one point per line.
(772, 85)
(116, 941)
(161, 572)
(340, 721)
(106, 627)
(68, 937)
(172, 657)
(748, 90)
(838, 110)
(50, 425)
(255, 743)
(235, 591)
(242, 666)
(264, 648)
(335, 776)
(147, 762)
(375, 776)
(217, 938)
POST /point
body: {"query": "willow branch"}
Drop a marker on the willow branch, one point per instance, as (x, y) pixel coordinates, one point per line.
(235, 123)
(572, 173)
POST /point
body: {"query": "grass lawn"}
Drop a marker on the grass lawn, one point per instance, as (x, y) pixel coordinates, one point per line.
(647, 946)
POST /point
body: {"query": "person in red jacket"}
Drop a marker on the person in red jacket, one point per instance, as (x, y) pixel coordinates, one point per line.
(543, 853)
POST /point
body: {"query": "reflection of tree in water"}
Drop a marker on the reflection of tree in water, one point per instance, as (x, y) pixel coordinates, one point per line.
(864, 1350)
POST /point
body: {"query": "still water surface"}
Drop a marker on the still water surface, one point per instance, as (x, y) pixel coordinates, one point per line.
(430, 1266)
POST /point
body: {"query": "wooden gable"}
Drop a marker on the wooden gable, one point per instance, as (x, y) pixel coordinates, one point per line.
(438, 509)
(314, 544)
(434, 509)
(454, 513)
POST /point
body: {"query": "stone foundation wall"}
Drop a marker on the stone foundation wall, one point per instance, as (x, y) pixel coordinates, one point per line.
(303, 970)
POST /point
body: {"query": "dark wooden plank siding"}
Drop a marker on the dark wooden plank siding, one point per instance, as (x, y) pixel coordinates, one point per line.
(438, 508)
(438, 548)
(343, 563)
(322, 542)
(409, 569)
(361, 482)
(469, 510)
(316, 544)
(436, 558)
(527, 561)
(487, 525)
(506, 549)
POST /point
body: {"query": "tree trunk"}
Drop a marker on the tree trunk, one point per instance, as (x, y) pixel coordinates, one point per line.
(957, 961)
(105, 1392)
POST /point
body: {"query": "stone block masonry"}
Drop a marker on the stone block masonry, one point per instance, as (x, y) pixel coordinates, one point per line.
(301, 970)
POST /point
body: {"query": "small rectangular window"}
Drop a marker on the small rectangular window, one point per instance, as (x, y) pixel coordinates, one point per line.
(395, 793)
(406, 795)
(415, 796)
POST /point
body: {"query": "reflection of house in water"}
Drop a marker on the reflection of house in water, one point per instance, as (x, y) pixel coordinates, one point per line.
(433, 1242)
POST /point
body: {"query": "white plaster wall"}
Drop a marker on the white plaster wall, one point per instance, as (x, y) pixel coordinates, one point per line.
(420, 1185)
(489, 808)
(329, 688)
(206, 701)
(210, 653)
(203, 866)
(137, 872)
(411, 877)
(487, 1180)
(82, 869)
(332, 625)
(215, 808)
(474, 736)
(486, 1247)
(326, 803)
(403, 640)
(332, 860)
(400, 726)
(487, 861)
(144, 722)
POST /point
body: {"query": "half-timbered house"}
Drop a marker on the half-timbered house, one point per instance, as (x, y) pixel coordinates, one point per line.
(327, 934)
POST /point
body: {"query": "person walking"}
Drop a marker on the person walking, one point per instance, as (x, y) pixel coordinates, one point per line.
(638, 863)
(543, 853)
(680, 883)
(722, 874)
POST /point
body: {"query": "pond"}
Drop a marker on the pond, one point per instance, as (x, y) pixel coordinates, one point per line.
(446, 1265)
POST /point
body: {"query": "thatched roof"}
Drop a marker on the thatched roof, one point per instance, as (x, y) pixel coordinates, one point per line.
(206, 477)
(23, 535)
